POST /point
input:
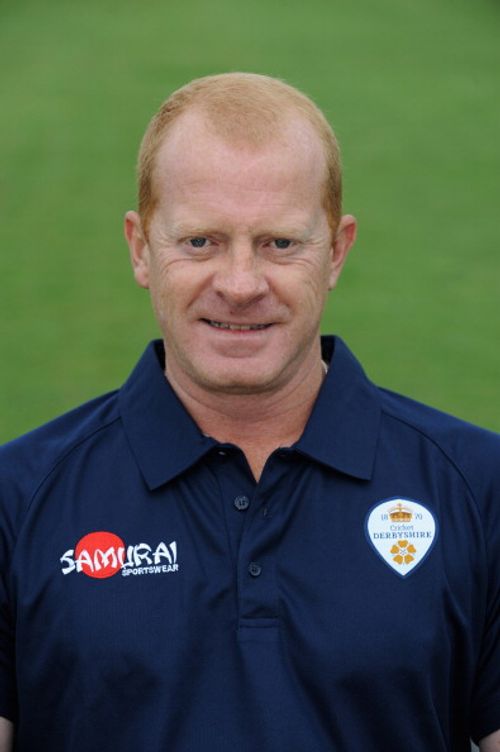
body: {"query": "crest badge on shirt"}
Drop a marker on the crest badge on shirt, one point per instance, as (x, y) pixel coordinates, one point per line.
(402, 532)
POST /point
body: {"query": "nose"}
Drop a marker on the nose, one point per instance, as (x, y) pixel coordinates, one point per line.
(240, 278)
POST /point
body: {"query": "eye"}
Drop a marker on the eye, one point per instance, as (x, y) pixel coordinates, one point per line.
(282, 243)
(198, 242)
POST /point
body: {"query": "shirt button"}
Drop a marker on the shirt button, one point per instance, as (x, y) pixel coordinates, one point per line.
(254, 569)
(241, 503)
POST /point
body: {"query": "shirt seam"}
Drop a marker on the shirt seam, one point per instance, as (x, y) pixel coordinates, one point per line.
(443, 451)
(458, 470)
(58, 461)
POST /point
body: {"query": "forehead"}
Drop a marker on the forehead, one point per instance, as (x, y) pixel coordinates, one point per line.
(194, 160)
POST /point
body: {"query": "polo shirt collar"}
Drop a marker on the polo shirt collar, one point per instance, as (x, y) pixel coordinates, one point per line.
(343, 428)
(341, 432)
(163, 437)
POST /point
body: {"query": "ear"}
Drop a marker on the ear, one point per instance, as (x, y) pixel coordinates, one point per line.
(342, 244)
(139, 248)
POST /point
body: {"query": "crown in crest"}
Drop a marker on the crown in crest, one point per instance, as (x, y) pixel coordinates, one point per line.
(399, 513)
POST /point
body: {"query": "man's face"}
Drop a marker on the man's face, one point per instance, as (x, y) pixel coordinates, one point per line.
(239, 257)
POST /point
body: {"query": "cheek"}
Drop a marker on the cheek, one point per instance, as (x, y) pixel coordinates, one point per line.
(162, 297)
(174, 287)
(311, 285)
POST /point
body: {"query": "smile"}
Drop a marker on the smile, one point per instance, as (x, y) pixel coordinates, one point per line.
(236, 327)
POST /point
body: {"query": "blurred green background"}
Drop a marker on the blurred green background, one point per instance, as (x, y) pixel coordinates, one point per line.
(412, 89)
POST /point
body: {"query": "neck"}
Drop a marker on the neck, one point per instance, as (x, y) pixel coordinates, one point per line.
(257, 423)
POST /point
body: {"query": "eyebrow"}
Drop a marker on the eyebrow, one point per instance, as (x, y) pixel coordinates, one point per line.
(185, 229)
(180, 230)
(188, 230)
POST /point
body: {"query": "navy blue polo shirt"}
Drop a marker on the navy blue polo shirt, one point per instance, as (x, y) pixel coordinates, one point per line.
(153, 596)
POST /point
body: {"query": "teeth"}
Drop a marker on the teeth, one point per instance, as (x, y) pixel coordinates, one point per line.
(237, 327)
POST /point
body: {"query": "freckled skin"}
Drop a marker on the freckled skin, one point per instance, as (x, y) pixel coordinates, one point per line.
(240, 236)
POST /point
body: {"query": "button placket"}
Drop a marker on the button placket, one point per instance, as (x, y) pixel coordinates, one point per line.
(258, 592)
(265, 523)
(236, 486)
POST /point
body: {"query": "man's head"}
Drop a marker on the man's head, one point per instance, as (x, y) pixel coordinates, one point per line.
(238, 237)
(241, 108)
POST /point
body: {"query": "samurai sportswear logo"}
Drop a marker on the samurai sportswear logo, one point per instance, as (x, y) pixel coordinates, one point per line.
(103, 554)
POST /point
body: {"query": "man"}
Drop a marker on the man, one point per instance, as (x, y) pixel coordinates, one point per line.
(249, 546)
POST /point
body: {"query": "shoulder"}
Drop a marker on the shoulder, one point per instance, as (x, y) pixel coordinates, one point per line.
(472, 451)
(26, 461)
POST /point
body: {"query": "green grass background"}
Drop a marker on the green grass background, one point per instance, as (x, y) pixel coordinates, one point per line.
(412, 89)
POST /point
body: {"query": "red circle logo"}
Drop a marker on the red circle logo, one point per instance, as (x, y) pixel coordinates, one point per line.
(100, 554)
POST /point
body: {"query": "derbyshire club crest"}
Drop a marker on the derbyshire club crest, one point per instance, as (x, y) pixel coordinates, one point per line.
(402, 532)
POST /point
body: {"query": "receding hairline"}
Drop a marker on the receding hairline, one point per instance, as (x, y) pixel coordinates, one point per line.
(248, 110)
(294, 132)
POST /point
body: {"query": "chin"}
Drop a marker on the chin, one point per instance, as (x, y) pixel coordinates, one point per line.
(237, 383)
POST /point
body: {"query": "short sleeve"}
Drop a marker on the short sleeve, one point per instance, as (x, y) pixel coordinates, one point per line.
(486, 701)
(7, 662)
(10, 510)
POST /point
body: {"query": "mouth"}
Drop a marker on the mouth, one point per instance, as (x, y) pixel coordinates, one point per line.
(236, 327)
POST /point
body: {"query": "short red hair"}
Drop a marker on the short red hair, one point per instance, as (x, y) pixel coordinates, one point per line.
(241, 107)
